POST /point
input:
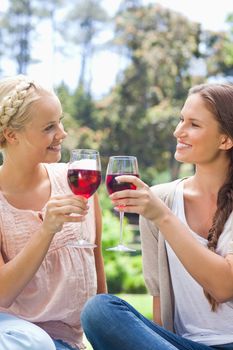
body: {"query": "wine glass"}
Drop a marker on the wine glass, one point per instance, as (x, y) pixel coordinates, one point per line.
(84, 177)
(121, 165)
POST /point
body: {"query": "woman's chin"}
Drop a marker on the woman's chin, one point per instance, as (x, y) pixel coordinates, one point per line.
(53, 157)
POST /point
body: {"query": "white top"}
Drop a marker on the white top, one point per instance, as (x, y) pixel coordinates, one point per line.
(193, 318)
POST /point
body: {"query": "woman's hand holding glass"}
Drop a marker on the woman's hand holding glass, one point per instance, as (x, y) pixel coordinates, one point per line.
(141, 201)
(60, 209)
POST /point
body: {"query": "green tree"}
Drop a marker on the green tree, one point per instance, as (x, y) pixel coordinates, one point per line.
(218, 51)
(20, 28)
(84, 108)
(144, 106)
(81, 26)
(77, 108)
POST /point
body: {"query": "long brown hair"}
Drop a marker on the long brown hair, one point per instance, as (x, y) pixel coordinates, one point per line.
(219, 100)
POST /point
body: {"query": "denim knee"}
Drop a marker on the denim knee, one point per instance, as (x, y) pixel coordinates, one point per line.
(97, 308)
(19, 334)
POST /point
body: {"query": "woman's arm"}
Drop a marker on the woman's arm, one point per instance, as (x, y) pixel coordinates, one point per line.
(17, 273)
(99, 262)
(157, 311)
(212, 271)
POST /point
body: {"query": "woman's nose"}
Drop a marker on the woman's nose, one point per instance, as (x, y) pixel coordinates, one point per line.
(64, 134)
(179, 131)
(61, 134)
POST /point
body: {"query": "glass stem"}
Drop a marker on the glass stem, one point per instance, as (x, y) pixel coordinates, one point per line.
(121, 227)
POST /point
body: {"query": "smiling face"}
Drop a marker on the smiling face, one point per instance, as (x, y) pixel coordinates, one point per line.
(40, 139)
(199, 139)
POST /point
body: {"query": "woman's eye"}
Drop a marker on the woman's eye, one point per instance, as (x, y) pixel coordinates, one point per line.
(54, 125)
(50, 127)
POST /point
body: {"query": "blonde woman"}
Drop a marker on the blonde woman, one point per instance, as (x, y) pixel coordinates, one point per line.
(43, 279)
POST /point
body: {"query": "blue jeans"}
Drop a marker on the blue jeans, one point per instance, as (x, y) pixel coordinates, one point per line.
(61, 345)
(18, 334)
(111, 323)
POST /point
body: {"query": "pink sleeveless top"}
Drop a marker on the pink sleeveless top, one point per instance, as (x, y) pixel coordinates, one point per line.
(55, 296)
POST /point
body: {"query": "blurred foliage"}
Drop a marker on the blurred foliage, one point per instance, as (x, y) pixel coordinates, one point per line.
(76, 106)
(147, 98)
(18, 28)
(218, 51)
(139, 115)
(83, 22)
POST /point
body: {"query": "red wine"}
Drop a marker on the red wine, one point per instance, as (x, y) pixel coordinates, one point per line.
(84, 182)
(114, 186)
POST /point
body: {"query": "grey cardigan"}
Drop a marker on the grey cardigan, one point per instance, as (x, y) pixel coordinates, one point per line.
(154, 256)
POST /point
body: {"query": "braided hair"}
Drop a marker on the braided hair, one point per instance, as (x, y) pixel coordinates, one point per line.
(219, 100)
(16, 97)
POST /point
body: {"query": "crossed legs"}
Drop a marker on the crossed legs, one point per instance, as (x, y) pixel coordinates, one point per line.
(18, 334)
(111, 323)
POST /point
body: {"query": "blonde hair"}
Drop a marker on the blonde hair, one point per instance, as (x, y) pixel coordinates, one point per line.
(17, 95)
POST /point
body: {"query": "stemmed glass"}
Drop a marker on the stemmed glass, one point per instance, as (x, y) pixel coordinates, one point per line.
(84, 177)
(121, 165)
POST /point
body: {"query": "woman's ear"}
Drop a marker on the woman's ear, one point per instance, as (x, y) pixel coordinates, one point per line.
(226, 143)
(10, 136)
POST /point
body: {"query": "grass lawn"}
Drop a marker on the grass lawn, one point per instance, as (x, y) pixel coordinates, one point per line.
(141, 302)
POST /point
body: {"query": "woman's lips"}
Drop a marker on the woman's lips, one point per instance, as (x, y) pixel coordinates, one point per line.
(55, 148)
(181, 145)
